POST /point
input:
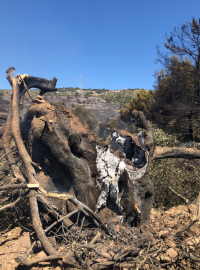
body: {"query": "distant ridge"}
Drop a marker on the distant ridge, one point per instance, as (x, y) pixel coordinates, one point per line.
(121, 97)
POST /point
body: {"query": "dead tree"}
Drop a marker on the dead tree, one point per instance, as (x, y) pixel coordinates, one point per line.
(66, 167)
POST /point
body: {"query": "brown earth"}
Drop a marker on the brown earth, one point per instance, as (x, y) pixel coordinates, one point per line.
(158, 245)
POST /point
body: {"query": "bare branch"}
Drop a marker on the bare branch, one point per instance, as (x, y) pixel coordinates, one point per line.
(188, 227)
(26, 262)
(61, 219)
(179, 195)
(77, 202)
(176, 152)
(11, 205)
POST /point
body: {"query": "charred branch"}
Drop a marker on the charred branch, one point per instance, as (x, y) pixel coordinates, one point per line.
(176, 152)
(26, 262)
(9, 77)
(53, 210)
(43, 84)
(60, 220)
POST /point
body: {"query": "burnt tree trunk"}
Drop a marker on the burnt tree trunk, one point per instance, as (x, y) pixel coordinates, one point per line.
(63, 157)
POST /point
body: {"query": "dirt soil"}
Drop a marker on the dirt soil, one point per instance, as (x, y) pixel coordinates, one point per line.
(158, 245)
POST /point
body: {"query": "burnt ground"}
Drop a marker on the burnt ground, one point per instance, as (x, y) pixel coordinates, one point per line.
(101, 108)
(158, 245)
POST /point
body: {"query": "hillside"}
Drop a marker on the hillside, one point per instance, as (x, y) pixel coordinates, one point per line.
(104, 103)
(121, 97)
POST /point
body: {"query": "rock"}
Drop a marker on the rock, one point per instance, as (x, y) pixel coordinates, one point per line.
(171, 223)
(153, 212)
(114, 220)
(163, 234)
(193, 208)
(181, 209)
(155, 227)
(117, 228)
(170, 244)
(165, 259)
(112, 254)
(172, 253)
(158, 258)
(144, 228)
(41, 254)
(15, 233)
(191, 242)
(23, 249)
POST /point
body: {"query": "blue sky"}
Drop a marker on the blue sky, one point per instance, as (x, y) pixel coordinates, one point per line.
(111, 43)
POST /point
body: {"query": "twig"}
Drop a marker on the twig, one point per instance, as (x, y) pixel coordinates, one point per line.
(14, 186)
(119, 257)
(179, 195)
(14, 149)
(26, 87)
(6, 229)
(125, 252)
(4, 108)
(36, 165)
(80, 204)
(138, 267)
(30, 249)
(77, 218)
(97, 252)
(156, 242)
(187, 228)
(52, 211)
(61, 219)
(155, 252)
(5, 199)
(97, 236)
(148, 247)
(82, 222)
(192, 257)
(11, 205)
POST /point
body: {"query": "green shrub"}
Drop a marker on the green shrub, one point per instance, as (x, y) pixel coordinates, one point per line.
(181, 174)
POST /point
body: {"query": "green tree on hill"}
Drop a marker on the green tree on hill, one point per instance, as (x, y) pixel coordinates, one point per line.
(141, 102)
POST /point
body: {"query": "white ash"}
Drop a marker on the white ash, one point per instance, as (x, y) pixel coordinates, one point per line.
(110, 168)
